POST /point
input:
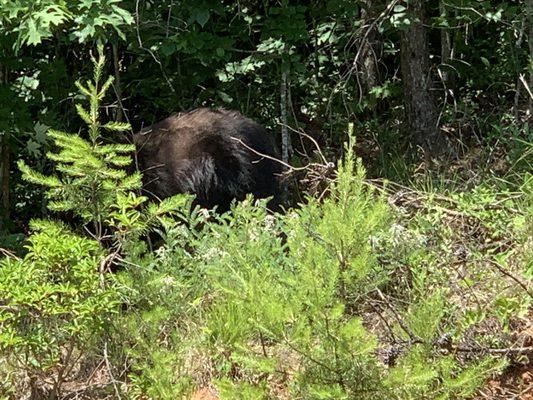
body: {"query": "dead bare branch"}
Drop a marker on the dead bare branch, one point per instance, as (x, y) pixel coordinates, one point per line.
(510, 275)
(9, 254)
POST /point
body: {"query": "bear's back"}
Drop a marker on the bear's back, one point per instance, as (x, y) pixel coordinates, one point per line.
(207, 153)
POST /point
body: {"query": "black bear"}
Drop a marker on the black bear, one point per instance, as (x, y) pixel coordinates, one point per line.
(213, 154)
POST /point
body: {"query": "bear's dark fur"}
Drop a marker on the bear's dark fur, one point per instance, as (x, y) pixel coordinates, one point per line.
(201, 152)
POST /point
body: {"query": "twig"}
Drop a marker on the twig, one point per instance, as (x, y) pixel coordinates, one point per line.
(472, 9)
(85, 388)
(113, 380)
(505, 351)
(414, 338)
(168, 18)
(346, 76)
(11, 309)
(312, 140)
(390, 332)
(518, 396)
(288, 166)
(308, 356)
(104, 264)
(116, 85)
(94, 371)
(510, 275)
(448, 346)
(9, 254)
(141, 46)
(523, 80)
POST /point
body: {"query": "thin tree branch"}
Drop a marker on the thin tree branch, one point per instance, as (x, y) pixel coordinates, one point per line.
(510, 275)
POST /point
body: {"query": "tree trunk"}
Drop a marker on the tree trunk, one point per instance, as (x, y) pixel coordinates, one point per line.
(4, 179)
(118, 88)
(421, 112)
(286, 145)
(4, 166)
(285, 136)
(446, 52)
(530, 19)
(370, 67)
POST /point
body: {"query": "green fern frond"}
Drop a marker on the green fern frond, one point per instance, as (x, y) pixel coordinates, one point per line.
(173, 204)
(98, 63)
(131, 182)
(83, 89)
(70, 141)
(92, 88)
(90, 161)
(105, 86)
(109, 184)
(117, 126)
(113, 174)
(60, 158)
(61, 206)
(119, 161)
(115, 148)
(70, 156)
(44, 225)
(84, 114)
(94, 132)
(71, 171)
(33, 176)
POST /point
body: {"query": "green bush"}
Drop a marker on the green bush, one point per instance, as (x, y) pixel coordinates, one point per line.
(90, 176)
(256, 304)
(55, 303)
(60, 296)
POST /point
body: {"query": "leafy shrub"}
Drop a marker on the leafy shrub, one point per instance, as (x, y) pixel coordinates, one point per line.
(58, 297)
(91, 181)
(55, 303)
(91, 174)
(265, 306)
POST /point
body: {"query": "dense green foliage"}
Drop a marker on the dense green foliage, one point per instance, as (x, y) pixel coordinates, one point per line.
(342, 298)
(341, 59)
(92, 174)
(416, 287)
(257, 307)
(55, 305)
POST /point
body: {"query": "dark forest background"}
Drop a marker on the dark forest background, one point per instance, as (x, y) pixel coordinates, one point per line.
(417, 78)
